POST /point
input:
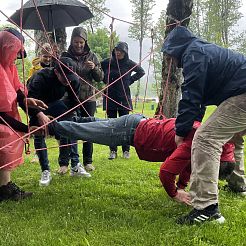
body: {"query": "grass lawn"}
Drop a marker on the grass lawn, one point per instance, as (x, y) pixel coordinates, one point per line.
(122, 204)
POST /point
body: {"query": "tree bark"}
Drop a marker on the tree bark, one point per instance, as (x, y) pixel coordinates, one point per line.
(59, 37)
(170, 93)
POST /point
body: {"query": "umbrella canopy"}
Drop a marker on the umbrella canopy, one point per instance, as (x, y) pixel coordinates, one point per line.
(54, 14)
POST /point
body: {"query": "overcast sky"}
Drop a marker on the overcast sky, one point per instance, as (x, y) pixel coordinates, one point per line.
(119, 9)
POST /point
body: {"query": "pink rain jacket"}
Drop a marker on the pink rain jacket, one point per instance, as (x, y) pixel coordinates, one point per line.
(9, 85)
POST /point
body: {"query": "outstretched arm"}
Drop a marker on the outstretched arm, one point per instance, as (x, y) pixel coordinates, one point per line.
(174, 165)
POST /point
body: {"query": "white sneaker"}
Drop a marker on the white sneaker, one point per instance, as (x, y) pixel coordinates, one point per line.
(45, 178)
(79, 171)
(112, 155)
(89, 167)
(126, 154)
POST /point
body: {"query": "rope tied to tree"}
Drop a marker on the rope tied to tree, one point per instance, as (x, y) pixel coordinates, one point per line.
(178, 22)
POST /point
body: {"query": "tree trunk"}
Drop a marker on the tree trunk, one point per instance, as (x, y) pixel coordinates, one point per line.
(59, 37)
(170, 88)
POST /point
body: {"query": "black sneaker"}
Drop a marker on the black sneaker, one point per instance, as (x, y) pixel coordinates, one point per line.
(239, 190)
(200, 216)
(11, 191)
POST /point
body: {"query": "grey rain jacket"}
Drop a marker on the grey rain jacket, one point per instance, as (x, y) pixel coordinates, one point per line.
(91, 76)
(211, 73)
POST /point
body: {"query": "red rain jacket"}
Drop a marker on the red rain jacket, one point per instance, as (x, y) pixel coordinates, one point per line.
(154, 141)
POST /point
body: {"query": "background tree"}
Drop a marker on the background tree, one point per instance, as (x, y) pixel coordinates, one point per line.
(142, 18)
(99, 42)
(97, 7)
(58, 36)
(159, 34)
(215, 21)
(177, 10)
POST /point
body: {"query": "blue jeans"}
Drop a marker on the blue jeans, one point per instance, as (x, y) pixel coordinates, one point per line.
(89, 107)
(55, 109)
(113, 114)
(111, 132)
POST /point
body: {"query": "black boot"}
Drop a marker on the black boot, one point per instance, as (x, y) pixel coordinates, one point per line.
(11, 191)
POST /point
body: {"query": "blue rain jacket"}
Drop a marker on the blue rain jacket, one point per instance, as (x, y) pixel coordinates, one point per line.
(211, 73)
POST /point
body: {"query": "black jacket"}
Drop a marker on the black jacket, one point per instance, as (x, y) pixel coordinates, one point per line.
(120, 90)
(211, 73)
(45, 86)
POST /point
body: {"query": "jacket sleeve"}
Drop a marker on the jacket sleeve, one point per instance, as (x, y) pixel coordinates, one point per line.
(174, 165)
(139, 72)
(15, 124)
(73, 101)
(190, 106)
(104, 66)
(35, 91)
(201, 114)
(97, 72)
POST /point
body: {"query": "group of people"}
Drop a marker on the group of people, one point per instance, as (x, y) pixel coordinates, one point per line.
(190, 150)
(55, 88)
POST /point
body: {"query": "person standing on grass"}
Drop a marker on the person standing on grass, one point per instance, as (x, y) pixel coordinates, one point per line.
(11, 128)
(44, 60)
(212, 76)
(89, 69)
(50, 86)
(153, 139)
(120, 92)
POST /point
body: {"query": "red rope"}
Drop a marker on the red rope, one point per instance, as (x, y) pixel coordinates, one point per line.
(70, 110)
(146, 86)
(15, 132)
(99, 10)
(86, 81)
(123, 87)
(9, 163)
(147, 80)
(165, 89)
(109, 65)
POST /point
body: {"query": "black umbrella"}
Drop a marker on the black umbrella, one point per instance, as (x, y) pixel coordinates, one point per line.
(54, 14)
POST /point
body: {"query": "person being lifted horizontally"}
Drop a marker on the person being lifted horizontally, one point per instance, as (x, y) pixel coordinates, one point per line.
(213, 75)
(153, 139)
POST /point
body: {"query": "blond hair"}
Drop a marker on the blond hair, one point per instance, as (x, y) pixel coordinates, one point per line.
(45, 49)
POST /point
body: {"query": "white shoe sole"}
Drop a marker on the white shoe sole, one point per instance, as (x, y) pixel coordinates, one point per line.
(80, 175)
(220, 220)
(45, 184)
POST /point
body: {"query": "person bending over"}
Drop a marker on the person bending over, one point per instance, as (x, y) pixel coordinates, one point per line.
(153, 139)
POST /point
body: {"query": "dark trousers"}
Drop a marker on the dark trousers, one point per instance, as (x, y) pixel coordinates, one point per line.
(113, 114)
(90, 108)
(55, 109)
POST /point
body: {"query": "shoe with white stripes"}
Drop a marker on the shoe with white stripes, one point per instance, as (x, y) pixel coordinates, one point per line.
(210, 213)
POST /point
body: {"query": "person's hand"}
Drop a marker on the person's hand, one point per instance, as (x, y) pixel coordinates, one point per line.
(42, 119)
(39, 132)
(35, 103)
(90, 65)
(178, 140)
(183, 197)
